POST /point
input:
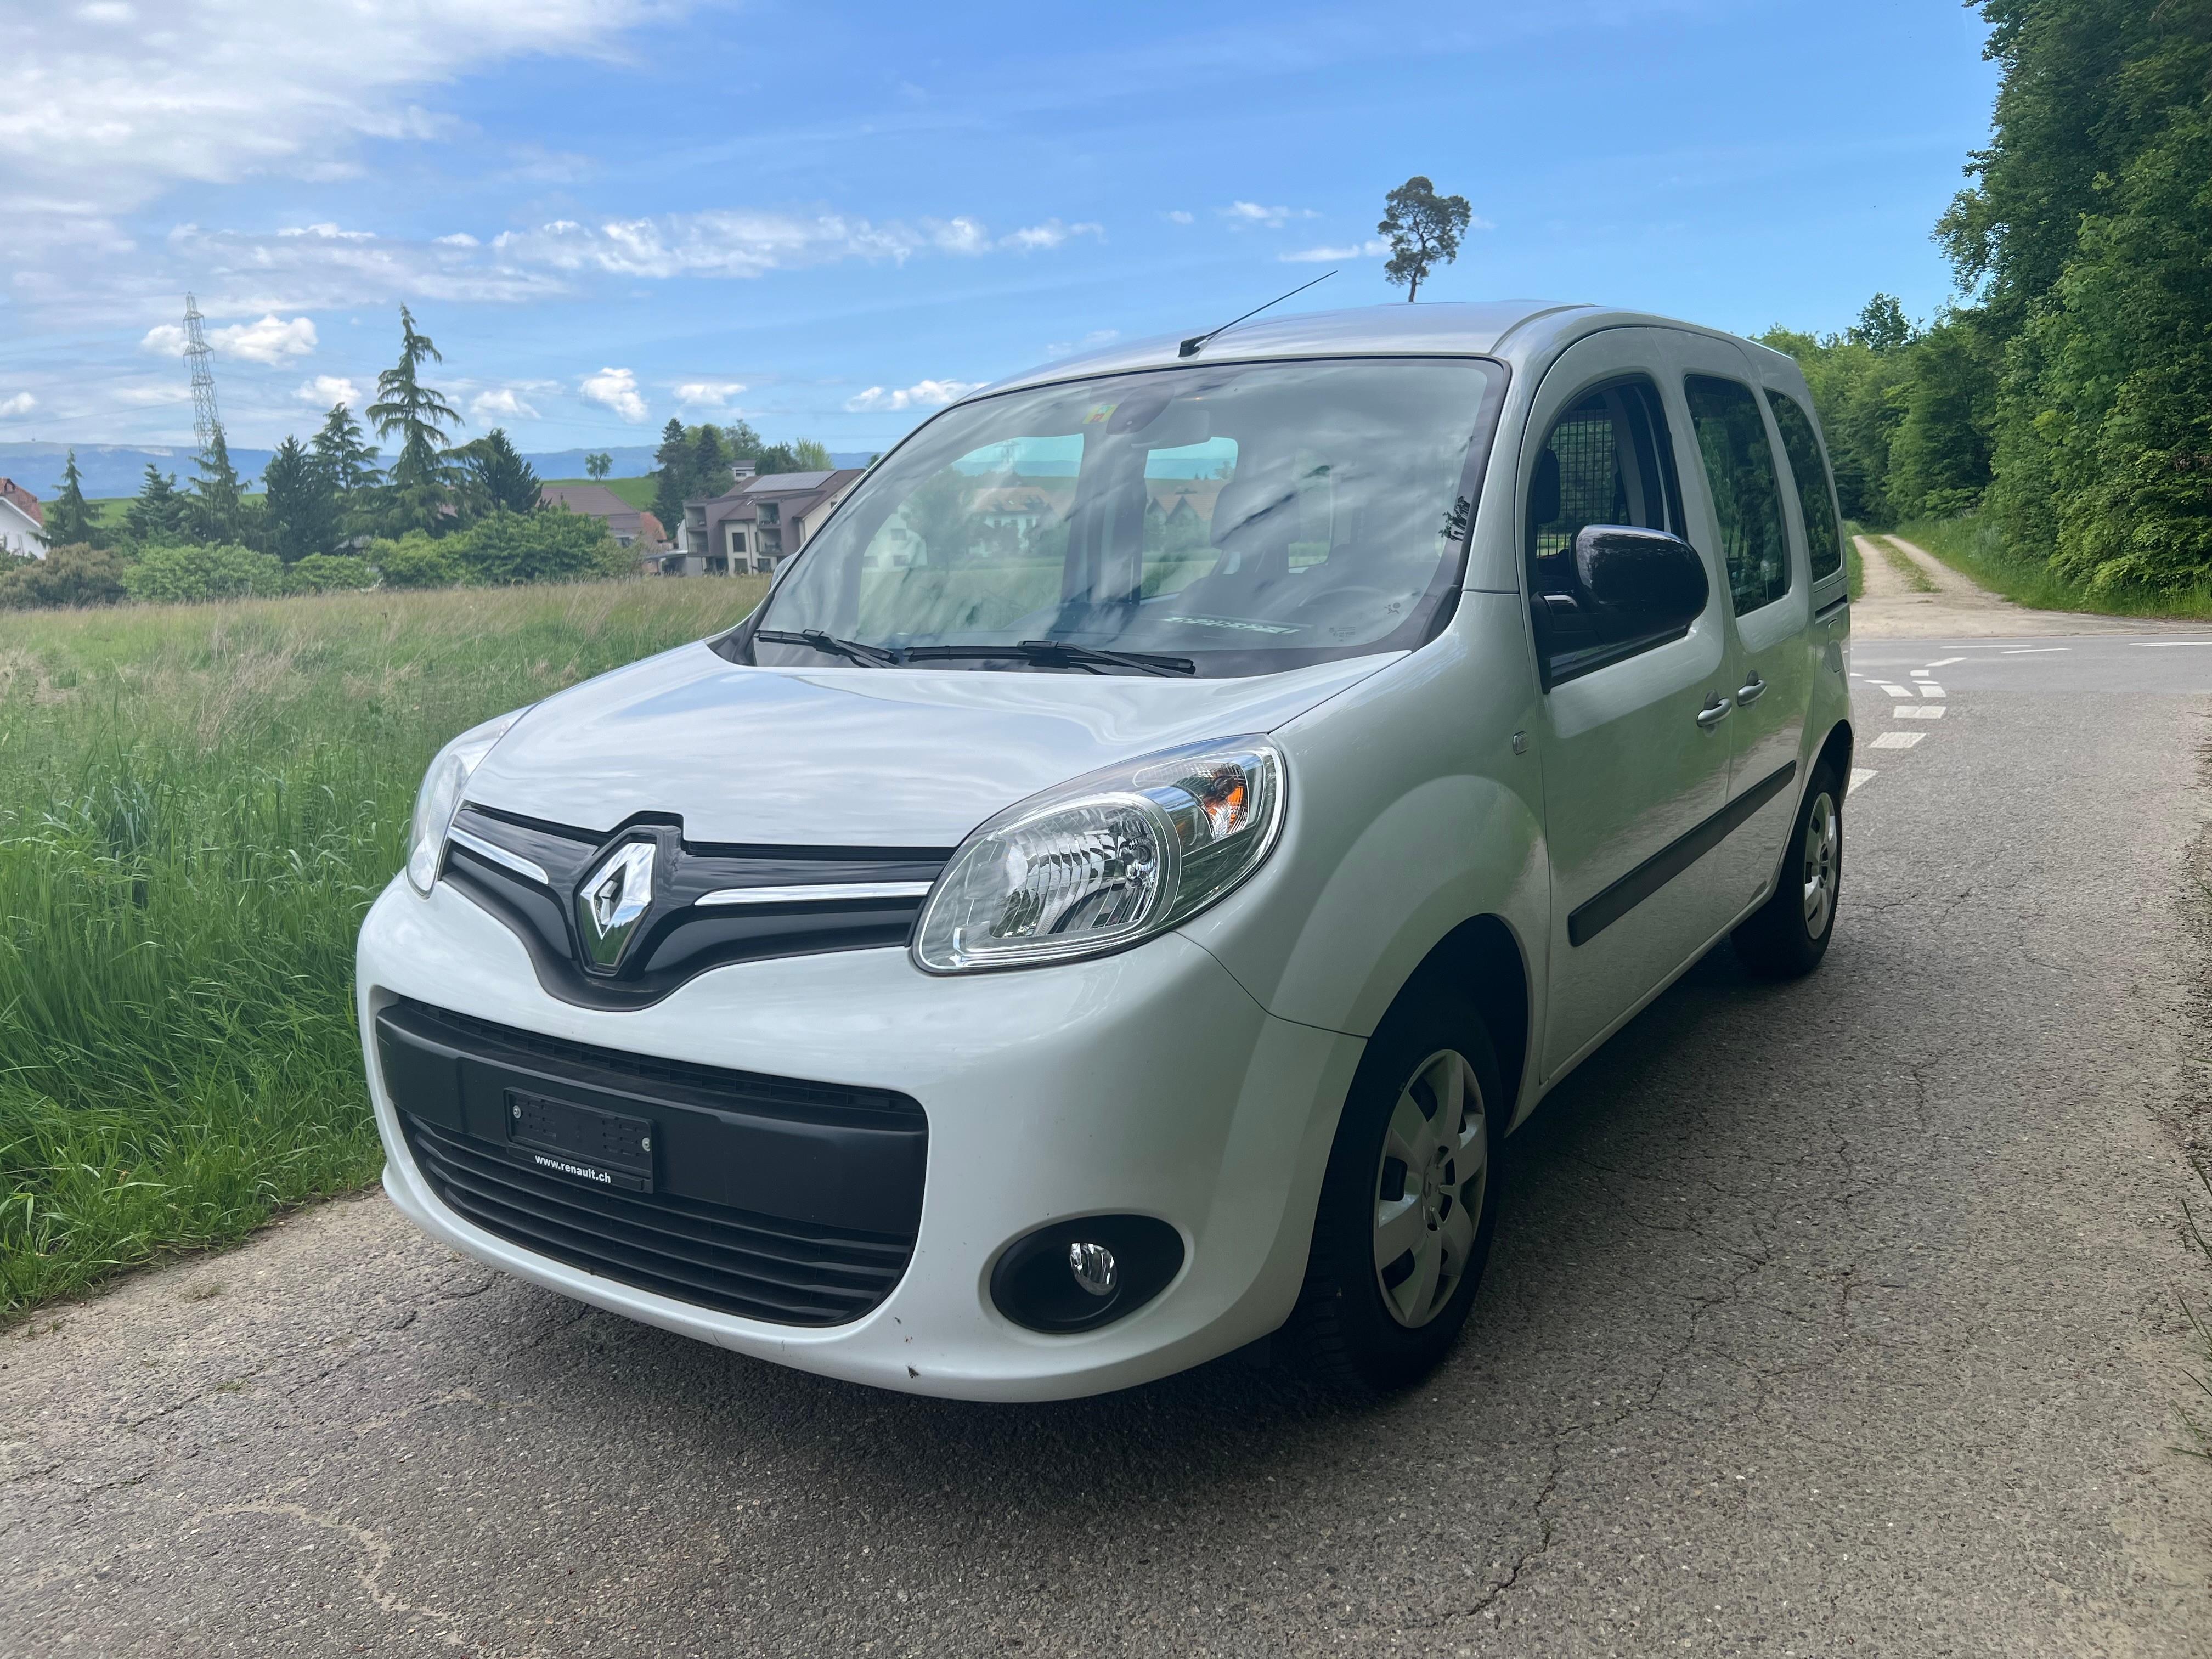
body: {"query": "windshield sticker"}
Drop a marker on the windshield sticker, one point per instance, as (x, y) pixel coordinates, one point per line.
(1100, 412)
(1223, 622)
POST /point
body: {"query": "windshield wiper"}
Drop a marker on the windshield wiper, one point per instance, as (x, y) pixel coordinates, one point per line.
(868, 656)
(1059, 653)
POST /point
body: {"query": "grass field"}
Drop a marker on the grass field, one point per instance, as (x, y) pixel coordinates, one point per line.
(197, 805)
(638, 492)
(1971, 547)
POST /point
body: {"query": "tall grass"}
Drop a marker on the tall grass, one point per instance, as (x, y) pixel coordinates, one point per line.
(1973, 548)
(197, 805)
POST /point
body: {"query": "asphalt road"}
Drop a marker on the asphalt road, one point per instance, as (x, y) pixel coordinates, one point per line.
(1842, 1318)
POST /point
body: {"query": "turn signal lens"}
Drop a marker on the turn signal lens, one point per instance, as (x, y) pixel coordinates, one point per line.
(1105, 861)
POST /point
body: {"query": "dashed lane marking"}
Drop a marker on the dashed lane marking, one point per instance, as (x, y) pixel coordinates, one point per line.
(1930, 688)
(1947, 662)
(1919, 711)
(1859, 775)
(2032, 650)
(2162, 644)
(1919, 673)
(1893, 691)
(1897, 740)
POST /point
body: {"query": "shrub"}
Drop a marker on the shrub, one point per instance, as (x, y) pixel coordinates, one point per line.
(188, 575)
(328, 572)
(550, 545)
(68, 575)
(413, 560)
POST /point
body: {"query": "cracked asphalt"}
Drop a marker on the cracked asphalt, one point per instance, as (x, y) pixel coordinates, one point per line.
(1840, 1317)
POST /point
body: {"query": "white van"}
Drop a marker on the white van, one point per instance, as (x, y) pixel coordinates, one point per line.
(1111, 901)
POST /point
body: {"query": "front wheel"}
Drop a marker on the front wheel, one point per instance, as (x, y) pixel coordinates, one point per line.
(1788, 934)
(1410, 1201)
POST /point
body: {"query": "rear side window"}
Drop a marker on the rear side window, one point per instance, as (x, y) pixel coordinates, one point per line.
(1747, 495)
(1824, 536)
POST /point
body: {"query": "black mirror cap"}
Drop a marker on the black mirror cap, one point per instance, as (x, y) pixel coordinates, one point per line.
(1032, 1284)
(1649, 575)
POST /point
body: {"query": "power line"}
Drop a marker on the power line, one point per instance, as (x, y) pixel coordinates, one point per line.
(206, 420)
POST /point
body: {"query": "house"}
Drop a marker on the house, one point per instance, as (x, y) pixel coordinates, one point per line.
(625, 524)
(23, 524)
(755, 524)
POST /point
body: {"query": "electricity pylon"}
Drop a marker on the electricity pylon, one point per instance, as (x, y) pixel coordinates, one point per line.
(206, 420)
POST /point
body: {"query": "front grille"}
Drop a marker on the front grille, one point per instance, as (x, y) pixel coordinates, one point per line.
(772, 1198)
(712, 1257)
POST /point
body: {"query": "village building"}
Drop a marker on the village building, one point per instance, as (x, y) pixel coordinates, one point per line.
(761, 520)
(628, 525)
(22, 522)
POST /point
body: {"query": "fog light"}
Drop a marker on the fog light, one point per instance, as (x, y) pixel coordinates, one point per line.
(1078, 1274)
(1092, 1265)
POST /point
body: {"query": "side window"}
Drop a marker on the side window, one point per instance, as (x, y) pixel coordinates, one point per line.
(1608, 459)
(1746, 497)
(1816, 498)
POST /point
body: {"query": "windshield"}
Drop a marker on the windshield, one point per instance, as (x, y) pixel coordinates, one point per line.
(1238, 518)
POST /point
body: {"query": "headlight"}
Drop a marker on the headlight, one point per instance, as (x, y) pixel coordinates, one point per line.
(1098, 864)
(440, 797)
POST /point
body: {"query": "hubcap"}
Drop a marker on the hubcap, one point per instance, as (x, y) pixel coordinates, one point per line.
(1823, 846)
(1428, 1188)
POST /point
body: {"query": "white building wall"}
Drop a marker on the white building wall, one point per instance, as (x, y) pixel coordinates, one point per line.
(20, 532)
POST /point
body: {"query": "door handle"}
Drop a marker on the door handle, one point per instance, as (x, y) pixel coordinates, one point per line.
(1716, 709)
(1752, 690)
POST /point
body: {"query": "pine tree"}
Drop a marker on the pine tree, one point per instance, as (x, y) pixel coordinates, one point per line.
(671, 464)
(158, 514)
(708, 466)
(497, 478)
(420, 474)
(69, 521)
(218, 498)
(302, 503)
(1424, 230)
(346, 457)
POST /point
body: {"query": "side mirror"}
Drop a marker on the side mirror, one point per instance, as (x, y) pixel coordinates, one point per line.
(1641, 581)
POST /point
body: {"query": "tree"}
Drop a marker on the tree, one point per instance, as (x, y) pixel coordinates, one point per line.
(495, 477)
(69, 520)
(812, 456)
(1424, 229)
(671, 466)
(708, 466)
(598, 463)
(219, 511)
(159, 514)
(301, 505)
(67, 576)
(344, 454)
(417, 491)
(552, 546)
(1881, 326)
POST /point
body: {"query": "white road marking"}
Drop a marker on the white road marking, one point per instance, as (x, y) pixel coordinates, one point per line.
(1897, 740)
(1930, 688)
(1947, 662)
(2032, 650)
(1919, 673)
(1859, 775)
(2161, 645)
(1893, 691)
(1919, 711)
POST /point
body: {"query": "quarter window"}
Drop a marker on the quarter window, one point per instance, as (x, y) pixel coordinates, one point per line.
(1747, 495)
(1824, 537)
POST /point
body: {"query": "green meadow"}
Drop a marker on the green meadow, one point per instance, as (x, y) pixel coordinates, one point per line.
(197, 803)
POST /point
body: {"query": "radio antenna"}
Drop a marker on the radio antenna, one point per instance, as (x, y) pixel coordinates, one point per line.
(1189, 348)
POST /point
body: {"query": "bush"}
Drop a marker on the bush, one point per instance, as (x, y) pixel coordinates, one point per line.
(550, 545)
(192, 575)
(328, 572)
(68, 575)
(414, 561)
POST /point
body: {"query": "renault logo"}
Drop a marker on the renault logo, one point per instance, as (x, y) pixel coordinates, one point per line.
(612, 901)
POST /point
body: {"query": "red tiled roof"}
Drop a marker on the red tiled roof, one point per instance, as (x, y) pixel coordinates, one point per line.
(15, 494)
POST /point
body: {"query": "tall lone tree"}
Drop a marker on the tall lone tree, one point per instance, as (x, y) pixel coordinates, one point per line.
(598, 463)
(421, 416)
(671, 462)
(69, 521)
(1424, 229)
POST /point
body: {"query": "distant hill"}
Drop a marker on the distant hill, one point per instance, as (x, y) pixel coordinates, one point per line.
(110, 470)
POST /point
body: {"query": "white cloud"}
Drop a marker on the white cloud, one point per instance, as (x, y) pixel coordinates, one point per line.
(1370, 249)
(329, 233)
(501, 400)
(707, 394)
(618, 389)
(21, 404)
(153, 395)
(922, 394)
(327, 389)
(268, 341)
(459, 239)
(1241, 213)
(1049, 234)
(164, 339)
(1177, 217)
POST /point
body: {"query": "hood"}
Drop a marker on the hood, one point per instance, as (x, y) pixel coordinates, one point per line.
(854, 756)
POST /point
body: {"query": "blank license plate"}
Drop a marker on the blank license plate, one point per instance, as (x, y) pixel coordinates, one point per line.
(601, 1149)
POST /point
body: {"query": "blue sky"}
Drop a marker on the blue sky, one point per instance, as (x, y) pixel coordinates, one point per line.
(828, 219)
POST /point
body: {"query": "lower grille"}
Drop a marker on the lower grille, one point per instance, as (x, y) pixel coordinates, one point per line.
(707, 1254)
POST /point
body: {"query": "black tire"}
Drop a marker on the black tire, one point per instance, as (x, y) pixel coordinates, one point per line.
(1351, 1328)
(1788, 934)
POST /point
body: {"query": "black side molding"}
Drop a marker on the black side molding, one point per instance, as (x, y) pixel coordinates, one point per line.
(1597, 913)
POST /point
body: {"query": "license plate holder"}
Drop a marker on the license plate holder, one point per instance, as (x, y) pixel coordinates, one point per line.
(579, 1143)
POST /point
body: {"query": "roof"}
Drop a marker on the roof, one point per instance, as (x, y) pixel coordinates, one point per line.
(22, 500)
(1515, 330)
(780, 487)
(763, 482)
